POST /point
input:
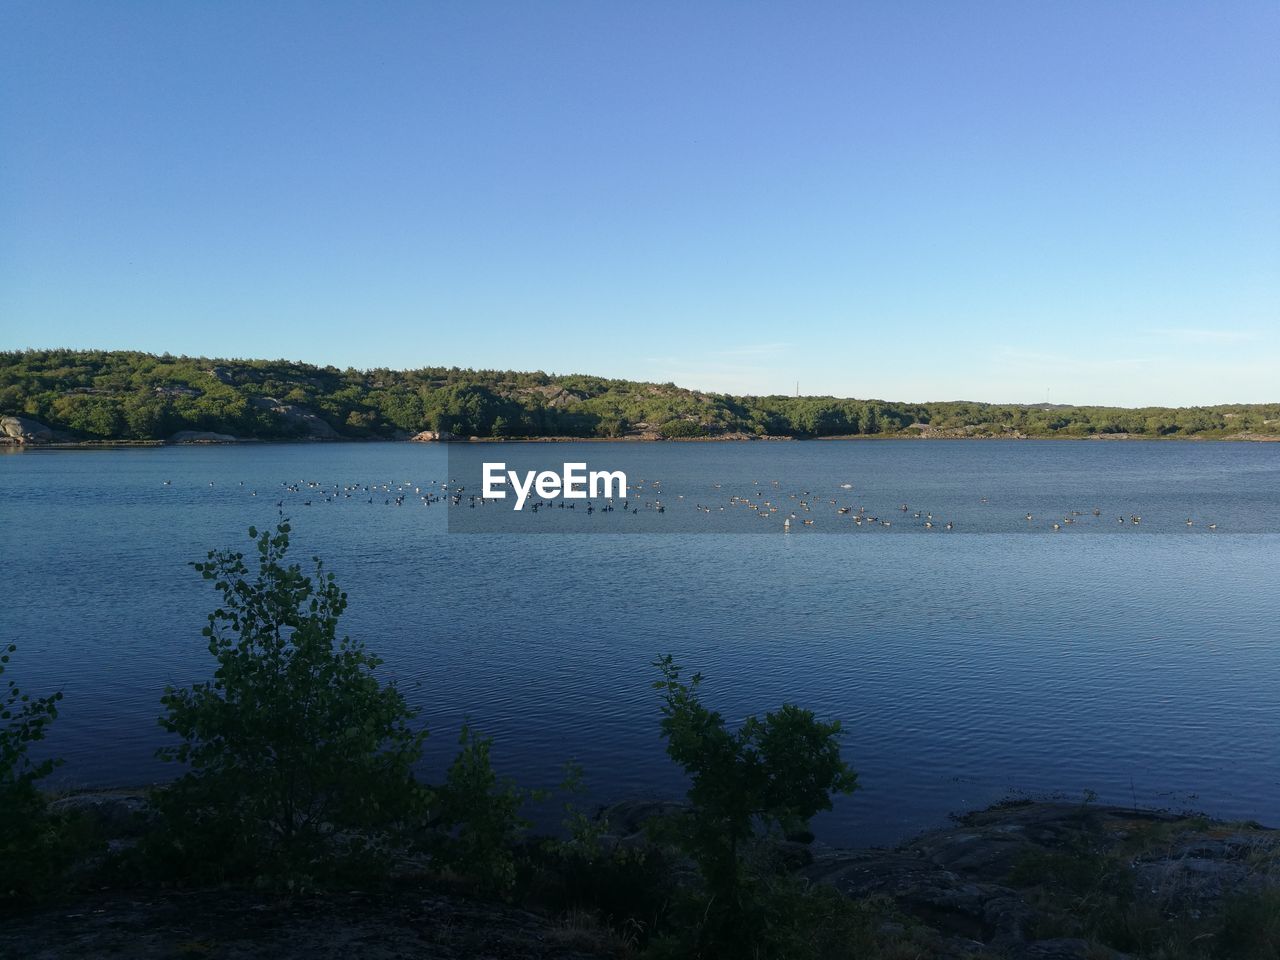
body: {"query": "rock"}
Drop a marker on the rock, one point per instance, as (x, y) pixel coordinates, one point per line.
(432, 436)
(201, 436)
(178, 390)
(555, 396)
(221, 374)
(991, 880)
(311, 423)
(26, 430)
(943, 899)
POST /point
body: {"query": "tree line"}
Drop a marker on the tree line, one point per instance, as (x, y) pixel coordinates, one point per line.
(121, 395)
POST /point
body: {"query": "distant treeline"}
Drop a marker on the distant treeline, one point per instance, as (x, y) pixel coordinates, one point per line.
(119, 395)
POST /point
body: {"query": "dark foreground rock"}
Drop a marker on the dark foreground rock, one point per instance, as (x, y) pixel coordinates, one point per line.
(1056, 881)
(246, 926)
(1019, 881)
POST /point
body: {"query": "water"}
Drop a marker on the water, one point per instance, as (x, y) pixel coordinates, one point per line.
(1136, 661)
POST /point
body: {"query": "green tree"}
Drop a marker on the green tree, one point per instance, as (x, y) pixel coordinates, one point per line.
(29, 842)
(769, 776)
(298, 757)
(477, 820)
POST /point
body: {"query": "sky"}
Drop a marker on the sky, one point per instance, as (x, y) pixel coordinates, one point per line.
(1072, 202)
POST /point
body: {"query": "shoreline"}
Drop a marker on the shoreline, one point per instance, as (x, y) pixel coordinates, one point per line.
(854, 438)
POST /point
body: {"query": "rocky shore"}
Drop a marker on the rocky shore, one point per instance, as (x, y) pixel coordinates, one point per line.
(26, 432)
(1020, 881)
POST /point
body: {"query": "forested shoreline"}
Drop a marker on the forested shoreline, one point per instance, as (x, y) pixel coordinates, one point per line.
(93, 395)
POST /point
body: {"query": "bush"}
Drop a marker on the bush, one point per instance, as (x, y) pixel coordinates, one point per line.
(477, 822)
(627, 886)
(31, 847)
(767, 778)
(299, 758)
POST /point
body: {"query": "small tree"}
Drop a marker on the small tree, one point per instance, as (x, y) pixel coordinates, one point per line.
(297, 754)
(477, 822)
(771, 775)
(29, 844)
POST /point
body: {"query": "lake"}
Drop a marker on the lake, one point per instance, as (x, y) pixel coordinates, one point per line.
(1136, 660)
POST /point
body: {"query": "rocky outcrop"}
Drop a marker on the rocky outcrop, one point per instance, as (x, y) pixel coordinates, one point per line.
(1027, 880)
(1002, 876)
(201, 436)
(306, 421)
(221, 374)
(981, 431)
(25, 430)
(174, 391)
(433, 436)
(1255, 437)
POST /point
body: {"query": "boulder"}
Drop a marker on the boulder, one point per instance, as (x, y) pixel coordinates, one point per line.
(432, 436)
(25, 430)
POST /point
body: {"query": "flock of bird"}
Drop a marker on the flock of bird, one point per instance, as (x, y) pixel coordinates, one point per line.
(797, 509)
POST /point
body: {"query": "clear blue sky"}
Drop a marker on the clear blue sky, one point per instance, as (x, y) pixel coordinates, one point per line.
(914, 201)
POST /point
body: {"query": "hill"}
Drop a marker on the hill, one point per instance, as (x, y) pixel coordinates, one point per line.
(118, 396)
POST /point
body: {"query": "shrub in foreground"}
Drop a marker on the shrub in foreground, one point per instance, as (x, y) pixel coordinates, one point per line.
(299, 760)
(767, 778)
(476, 824)
(32, 850)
